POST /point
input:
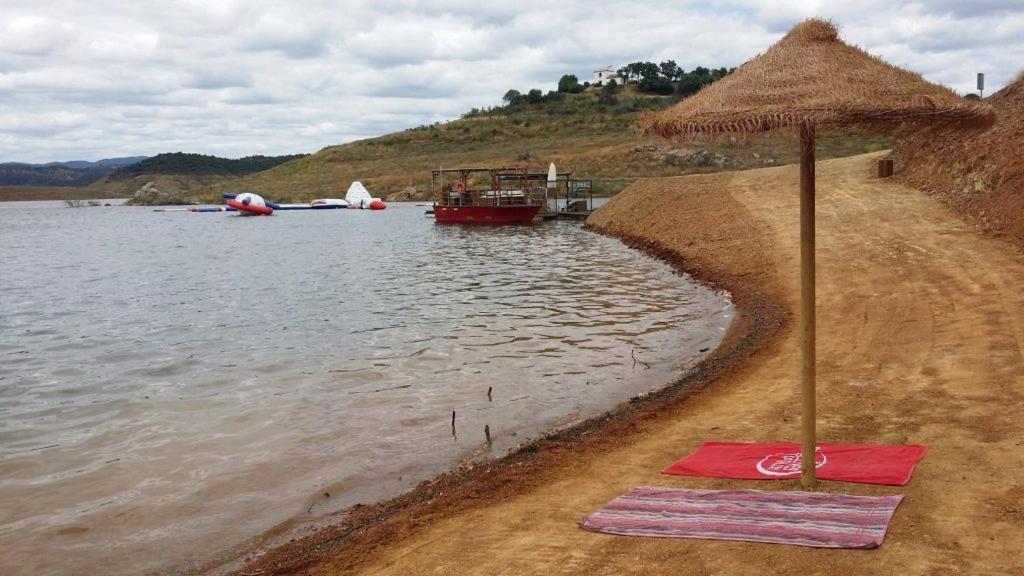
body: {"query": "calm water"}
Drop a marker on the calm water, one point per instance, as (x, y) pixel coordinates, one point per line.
(175, 384)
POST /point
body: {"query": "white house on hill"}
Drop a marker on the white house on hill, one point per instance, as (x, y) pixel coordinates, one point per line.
(602, 75)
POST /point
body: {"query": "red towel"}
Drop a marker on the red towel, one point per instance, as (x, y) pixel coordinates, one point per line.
(867, 463)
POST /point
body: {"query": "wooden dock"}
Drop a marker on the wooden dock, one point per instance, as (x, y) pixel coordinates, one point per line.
(565, 215)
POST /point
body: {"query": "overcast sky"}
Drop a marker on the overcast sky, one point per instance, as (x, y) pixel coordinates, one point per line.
(101, 78)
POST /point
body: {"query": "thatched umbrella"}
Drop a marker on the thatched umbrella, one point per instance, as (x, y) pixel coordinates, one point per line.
(808, 78)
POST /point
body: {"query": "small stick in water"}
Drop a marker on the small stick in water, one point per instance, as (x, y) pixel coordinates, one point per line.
(487, 433)
(453, 422)
(489, 393)
(632, 352)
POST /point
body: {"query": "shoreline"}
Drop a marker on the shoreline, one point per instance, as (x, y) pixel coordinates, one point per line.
(364, 529)
(919, 345)
(51, 194)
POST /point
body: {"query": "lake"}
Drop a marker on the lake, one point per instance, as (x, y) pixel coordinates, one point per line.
(175, 384)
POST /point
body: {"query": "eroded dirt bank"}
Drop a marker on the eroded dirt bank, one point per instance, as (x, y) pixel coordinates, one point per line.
(919, 328)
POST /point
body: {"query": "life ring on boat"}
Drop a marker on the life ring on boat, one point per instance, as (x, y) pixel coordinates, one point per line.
(460, 186)
(247, 203)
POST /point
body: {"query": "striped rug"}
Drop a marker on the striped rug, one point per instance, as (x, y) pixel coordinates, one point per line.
(799, 518)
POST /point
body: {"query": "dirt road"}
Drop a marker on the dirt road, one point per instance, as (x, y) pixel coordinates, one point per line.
(920, 325)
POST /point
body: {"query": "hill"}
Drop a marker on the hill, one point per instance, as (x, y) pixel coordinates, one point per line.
(111, 163)
(978, 173)
(75, 173)
(14, 174)
(184, 163)
(589, 133)
(182, 175)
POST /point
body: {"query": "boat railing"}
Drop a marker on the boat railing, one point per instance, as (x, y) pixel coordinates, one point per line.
(506, 197)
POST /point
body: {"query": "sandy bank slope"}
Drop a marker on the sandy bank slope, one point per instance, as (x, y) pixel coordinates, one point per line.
(979, 174)
(920, 323)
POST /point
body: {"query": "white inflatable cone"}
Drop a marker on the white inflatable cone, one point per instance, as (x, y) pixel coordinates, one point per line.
(358, 196)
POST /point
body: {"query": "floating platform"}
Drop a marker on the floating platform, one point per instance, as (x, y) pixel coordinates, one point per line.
(580, 215)
(565, 215)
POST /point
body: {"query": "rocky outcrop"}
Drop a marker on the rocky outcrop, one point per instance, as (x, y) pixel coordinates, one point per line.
(151, 195)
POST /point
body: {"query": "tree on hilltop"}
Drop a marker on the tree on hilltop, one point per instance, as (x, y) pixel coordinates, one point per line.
(512, 98)
(670, 71)
(569, 83)
(636, 71)
(646, 70)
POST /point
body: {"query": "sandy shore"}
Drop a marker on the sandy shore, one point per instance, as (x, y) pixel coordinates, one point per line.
(919, 335)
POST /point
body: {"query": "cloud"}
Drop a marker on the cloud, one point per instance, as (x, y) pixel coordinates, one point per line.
(223, 75)
(239, 77)
(34, 35)
(292, 39)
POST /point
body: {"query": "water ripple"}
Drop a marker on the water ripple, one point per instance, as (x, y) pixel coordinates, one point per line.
(172, 384)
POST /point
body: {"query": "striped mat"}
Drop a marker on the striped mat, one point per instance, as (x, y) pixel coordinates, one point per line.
(798, 518)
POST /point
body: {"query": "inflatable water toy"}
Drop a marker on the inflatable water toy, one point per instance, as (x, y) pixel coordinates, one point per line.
(359, 197)
(318, 204)
(249, 204)
(328, 203)
(213, 209)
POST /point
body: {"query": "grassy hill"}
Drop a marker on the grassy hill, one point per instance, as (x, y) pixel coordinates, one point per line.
(589, 133)
(185, 163)
(183, 174)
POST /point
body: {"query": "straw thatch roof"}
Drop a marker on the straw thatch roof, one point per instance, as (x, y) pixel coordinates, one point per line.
(811, 74)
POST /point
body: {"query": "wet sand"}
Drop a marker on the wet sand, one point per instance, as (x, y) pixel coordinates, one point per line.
(919, 341)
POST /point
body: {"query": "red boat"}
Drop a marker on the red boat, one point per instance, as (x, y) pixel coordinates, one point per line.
(504, 196)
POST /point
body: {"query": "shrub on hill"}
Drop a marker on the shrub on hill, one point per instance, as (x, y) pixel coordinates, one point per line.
(656, 86)
(570, 83)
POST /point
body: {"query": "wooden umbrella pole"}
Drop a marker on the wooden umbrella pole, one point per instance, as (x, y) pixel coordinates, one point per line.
(807, 384)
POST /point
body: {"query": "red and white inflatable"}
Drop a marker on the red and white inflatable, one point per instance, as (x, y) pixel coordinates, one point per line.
(359, 197)
(249, 204)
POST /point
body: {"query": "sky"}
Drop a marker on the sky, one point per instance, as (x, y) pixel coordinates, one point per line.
(88, 80)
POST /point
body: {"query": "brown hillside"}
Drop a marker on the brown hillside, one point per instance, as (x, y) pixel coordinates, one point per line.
(189, 187)
(979, 174)
(581, 133)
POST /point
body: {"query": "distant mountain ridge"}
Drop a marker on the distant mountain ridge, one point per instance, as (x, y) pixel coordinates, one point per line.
(81, 173)
(104, 163)
(72, 173)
